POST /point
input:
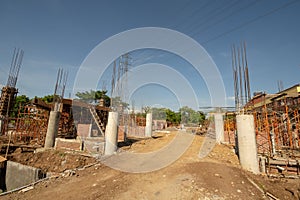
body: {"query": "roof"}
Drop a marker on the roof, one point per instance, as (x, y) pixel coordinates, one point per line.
(296, 87)
(69, 102)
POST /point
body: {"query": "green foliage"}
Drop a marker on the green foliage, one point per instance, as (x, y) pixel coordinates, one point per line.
(93, 96)
(173, 117)
(20, 101)
(190, 116)
(185, 115)
(159, 113)
(48, 98)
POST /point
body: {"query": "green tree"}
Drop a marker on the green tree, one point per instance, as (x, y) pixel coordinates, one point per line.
(159, 113)
(190, 116)
(20, 102)
(93, 96)
(172, 117)
(48, 98)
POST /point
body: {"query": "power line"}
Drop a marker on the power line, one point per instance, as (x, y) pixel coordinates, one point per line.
(251, 21)
(207, 27)
(243, 24)
(234, 12)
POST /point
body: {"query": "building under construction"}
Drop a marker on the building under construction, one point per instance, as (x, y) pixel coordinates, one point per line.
(276, 119)
(9, 92)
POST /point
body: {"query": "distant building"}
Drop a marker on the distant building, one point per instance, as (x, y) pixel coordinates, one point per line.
(289, 97)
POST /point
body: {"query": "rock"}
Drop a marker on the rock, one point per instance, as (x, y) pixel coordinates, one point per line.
(63, 162)
(26, 189)
(68, 173)
(239, 191)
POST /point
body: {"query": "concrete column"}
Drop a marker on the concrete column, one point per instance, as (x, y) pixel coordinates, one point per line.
(219, 127)
(247, 143)
(52, 129)
(155, 125)
(148, 129)
(111, 133)
(263, 164)
(1, 126)
(273, 143)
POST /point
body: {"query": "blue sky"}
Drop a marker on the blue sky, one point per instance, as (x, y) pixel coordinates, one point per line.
(57, 34)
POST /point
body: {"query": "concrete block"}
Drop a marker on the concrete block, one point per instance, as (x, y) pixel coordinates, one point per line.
(94, 145)
(18, 175)
(71, 144)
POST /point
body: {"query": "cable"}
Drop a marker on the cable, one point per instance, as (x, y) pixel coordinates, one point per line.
(223, 18)
(251, 21)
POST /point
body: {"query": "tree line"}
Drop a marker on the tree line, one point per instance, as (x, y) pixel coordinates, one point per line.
(184, 115)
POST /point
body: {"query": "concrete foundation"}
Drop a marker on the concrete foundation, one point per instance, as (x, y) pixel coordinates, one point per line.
(111, 133)
(247, 143)
(219, 127)
(148, 129)
(18, 175)
(94, 145)
(69, 144)
(52, 129)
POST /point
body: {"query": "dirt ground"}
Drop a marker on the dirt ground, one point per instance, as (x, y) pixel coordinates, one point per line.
(53, 160)
(217, 176)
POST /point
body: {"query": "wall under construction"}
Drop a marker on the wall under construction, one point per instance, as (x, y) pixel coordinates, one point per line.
(8, 96)
(277, 127)
(30, 125)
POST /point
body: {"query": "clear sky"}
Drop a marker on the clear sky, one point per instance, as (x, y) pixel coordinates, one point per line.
(60, 34)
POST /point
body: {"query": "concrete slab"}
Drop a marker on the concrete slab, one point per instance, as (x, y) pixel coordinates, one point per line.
(18, 175)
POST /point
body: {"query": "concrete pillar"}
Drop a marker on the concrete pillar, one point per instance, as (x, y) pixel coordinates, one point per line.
(148, 129)
(52, 130)
(273, 143)
(263, 164)
(111, 133)
(155, 125)
(219, 127)
(1, 126)
(247, 143)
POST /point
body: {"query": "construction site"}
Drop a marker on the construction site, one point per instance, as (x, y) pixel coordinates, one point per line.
(56, 149)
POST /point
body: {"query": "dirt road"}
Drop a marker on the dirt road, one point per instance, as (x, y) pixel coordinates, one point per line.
(217, 176)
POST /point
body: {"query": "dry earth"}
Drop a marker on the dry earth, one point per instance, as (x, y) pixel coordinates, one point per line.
(217, 176)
